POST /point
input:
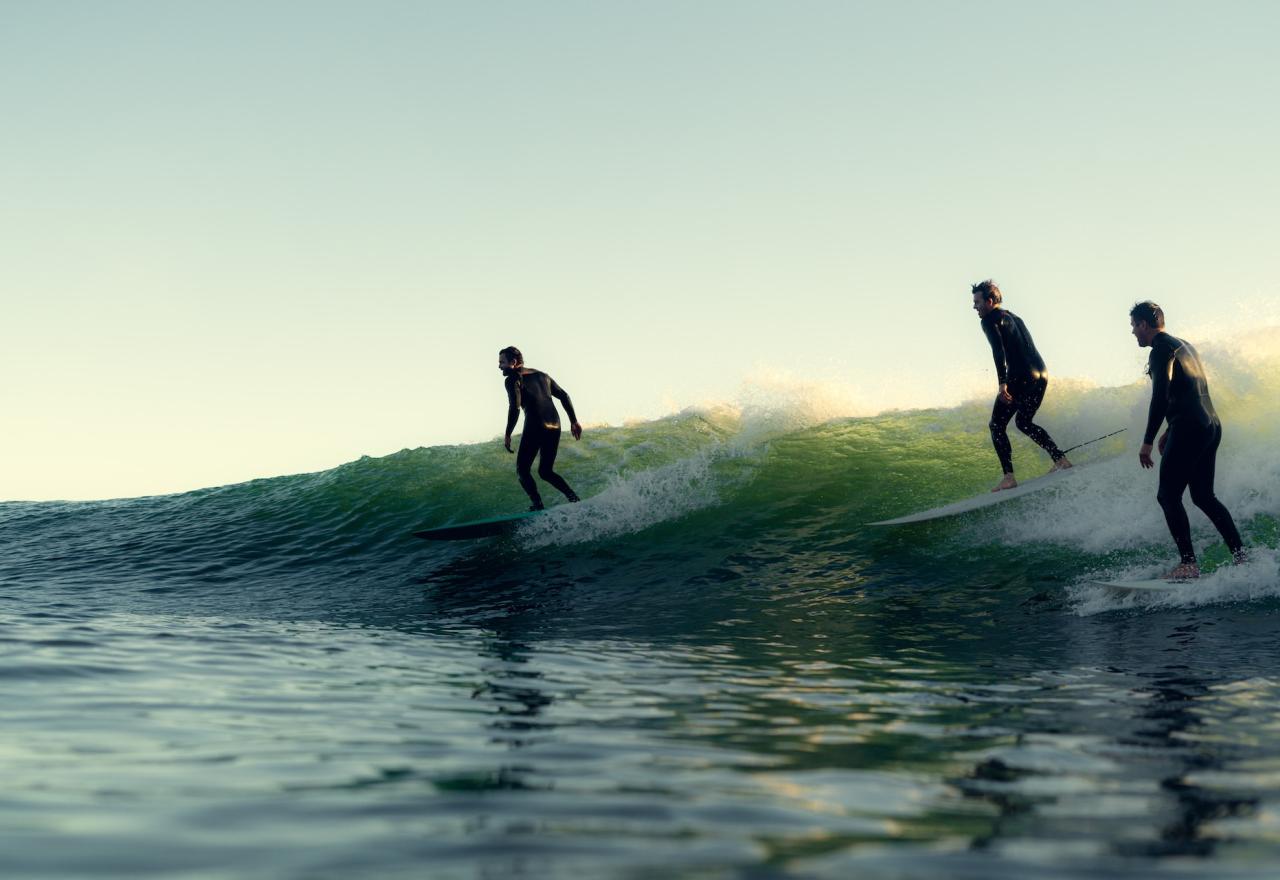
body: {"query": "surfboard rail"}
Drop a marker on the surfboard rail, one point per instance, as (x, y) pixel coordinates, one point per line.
(978, 502)
(1153, 585)
(483, 528)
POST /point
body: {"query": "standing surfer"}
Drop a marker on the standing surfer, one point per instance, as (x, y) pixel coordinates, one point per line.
(532, 391)
(1023, 380)
(1189, 446)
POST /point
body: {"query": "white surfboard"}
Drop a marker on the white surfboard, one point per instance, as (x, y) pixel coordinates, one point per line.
(985, 500)
(1152, 586)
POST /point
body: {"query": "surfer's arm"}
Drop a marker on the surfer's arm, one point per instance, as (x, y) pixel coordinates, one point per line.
(563, 396)
(992, 329)
(513, 413)
(1160, 365)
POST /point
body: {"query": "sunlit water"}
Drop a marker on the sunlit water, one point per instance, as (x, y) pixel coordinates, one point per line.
(813, 736)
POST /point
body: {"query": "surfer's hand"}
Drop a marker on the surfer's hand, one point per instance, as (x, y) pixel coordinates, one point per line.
(1005, 396)
(576, 430)
(1144, 456)
(1164, 438)
(507, 443)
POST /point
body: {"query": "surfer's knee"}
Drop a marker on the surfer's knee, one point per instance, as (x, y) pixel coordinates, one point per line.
(546, 471)
(1203, 498)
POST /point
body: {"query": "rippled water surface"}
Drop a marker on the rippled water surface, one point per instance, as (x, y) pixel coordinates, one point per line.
(807, 736)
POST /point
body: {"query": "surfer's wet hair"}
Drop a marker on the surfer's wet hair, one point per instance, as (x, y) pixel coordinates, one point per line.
(990, 291)
(1149, 312)
(512, 354)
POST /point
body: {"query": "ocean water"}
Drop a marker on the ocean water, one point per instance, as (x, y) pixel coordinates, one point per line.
(711, 668)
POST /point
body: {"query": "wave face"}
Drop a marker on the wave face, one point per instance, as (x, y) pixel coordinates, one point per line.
(772, 497)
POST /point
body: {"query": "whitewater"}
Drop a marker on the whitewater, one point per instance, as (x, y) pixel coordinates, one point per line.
(710, 668)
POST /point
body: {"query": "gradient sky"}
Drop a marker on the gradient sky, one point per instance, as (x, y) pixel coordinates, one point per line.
(241, 239)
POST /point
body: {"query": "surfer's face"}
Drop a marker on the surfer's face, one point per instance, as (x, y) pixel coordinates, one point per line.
(507, 367)
(1142, 332)
(982, 305)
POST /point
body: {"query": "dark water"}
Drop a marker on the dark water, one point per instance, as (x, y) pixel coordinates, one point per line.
(712, 668)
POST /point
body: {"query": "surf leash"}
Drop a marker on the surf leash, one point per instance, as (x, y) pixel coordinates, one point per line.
(1094, 440)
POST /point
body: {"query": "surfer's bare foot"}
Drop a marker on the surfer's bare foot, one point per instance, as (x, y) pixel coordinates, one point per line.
(1007, 483)
(1061, 465)
(1184, 571)
(1240, 557)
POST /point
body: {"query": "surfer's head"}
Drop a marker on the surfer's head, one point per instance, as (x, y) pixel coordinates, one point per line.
(986, 297)
(1147, 319)
(509, 360)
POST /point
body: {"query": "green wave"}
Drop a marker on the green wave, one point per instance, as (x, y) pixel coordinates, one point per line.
(766, 497)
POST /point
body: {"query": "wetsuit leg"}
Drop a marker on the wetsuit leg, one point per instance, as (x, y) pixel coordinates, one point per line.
(530, 443)
(1182, 451)
(550, 445)
(1203, 497)
(1000, 415)
(1027, 400)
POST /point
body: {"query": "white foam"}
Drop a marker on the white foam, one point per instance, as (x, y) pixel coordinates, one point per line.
(631, 503)
(1257, 579)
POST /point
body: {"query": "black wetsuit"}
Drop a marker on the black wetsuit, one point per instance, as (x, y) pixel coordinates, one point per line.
(1180, 394)
(533, 391)
(1019, 366)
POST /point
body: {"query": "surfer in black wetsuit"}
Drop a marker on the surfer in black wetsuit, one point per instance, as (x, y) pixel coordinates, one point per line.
(1023, 380)
(532, 391)
(1189, 446)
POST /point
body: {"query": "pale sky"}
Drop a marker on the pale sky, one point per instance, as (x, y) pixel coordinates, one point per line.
(242, 239)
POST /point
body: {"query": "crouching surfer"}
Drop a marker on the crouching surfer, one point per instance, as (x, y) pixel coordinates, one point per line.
(1189, 446)
(1023, 381)
(532, 391)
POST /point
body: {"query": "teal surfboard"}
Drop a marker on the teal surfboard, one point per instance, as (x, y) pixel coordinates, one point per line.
(483, 528)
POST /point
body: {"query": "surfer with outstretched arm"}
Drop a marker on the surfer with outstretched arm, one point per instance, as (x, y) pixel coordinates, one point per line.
(1023, 380)
(1189, 446)
(532, 391)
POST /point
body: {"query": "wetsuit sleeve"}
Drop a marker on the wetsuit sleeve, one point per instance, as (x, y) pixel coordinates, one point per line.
(1160, 365)
(563, 396)
(992, 329)
(513, 408)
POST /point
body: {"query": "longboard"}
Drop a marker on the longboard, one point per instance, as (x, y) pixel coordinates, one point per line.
(484, 528)
(1149, 586)
(981, 501)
